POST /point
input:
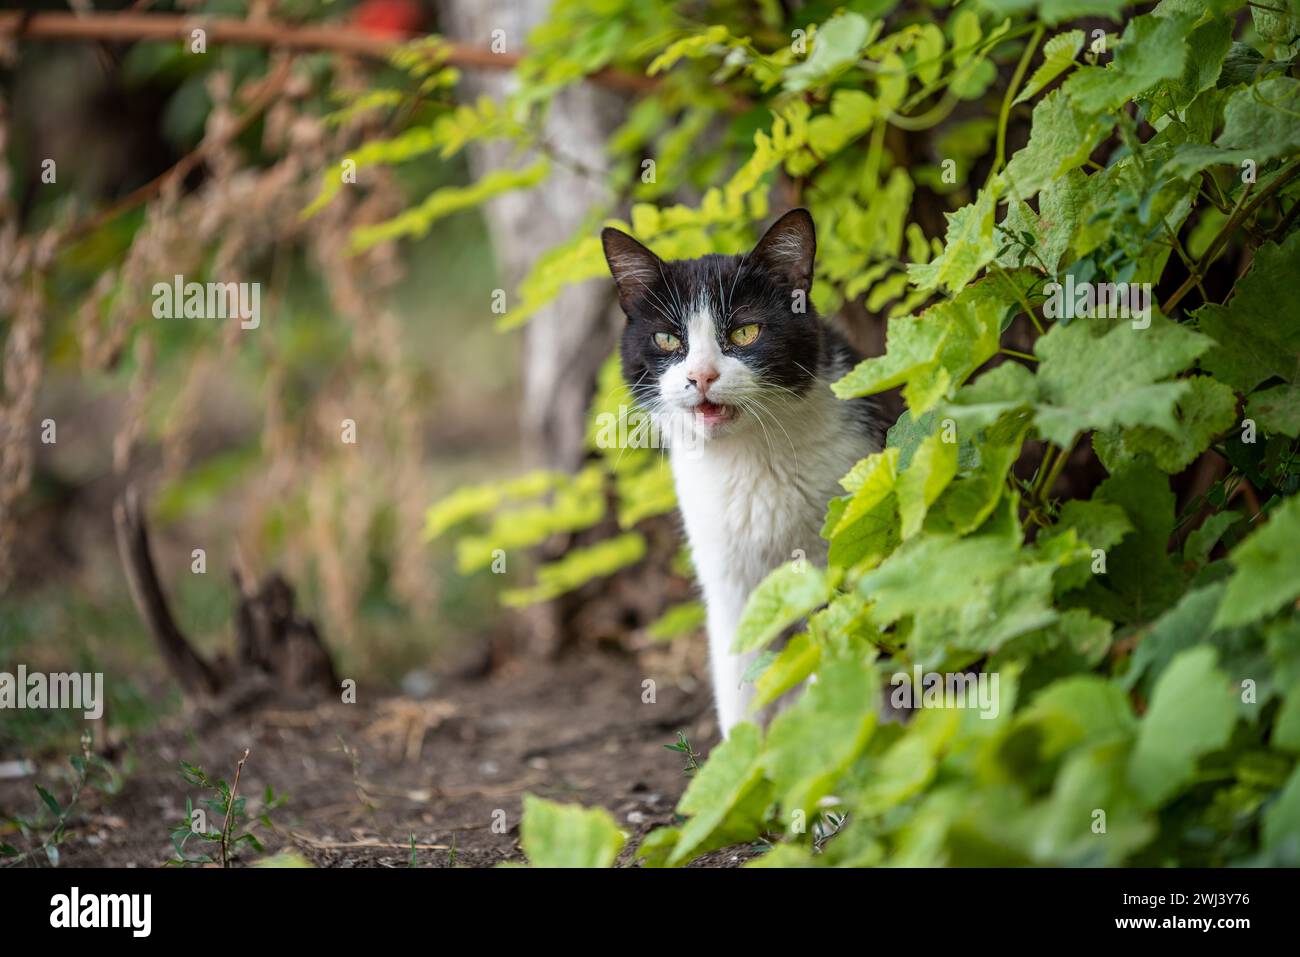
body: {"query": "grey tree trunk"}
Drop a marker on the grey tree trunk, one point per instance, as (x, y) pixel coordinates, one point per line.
(565, 343)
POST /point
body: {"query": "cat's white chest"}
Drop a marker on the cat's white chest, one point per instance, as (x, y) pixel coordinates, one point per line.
(747, 513)
(750, 504)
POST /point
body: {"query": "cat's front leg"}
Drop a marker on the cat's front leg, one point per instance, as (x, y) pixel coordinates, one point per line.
(731, 693)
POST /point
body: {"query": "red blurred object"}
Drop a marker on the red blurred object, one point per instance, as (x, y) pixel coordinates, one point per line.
(389, 18)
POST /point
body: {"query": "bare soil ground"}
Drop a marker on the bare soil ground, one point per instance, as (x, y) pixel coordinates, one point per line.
(360, 780)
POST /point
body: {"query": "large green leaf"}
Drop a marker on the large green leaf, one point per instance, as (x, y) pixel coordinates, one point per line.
(933, 353)
(1267, 569)
(811, 743)
(787, 594)
(1207, 409)
(1061, 138)
(1152, 49)
(565, 835)
(1096, 374)
(1141, 580)
(1256, 336)
(1191, 714)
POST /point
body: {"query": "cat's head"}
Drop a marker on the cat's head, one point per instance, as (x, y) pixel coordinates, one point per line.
(720, 343)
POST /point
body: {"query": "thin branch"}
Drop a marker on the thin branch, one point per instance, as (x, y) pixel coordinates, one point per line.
(195, 675)
(333, 845)
(218, 30)
(1240, 213)
(1004, 115)
(271, 88)
(230, 812)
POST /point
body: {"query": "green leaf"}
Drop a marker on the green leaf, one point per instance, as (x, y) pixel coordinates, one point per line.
(1184, 626)
(968, 248)
(1191, 714)
(658, 846)
(1084, 709)
(1061, 206)
(909, 764)
(1061, 137)
(981, 403)
(1277, 410)
(812, 743)
(907, 434)
(566, 835)
(783, 855)
(1094, 377)
(1264, 120)
(677, 620)
(726, 798)
(971, 499)
(1200, 543)
(50, 803)
(470, 501)
(1256, 339)
(1207, 409)
(1151, 50)
(837, 44)
(970, 593)
(933, 353)
(787, 594)
(697, 45)
(1053, 12)
(1141, 580)
(1282, 819)
(579, 566)
(795, 662)
(1058, 56)
(863, 526)
(1207, 45)
(1266, 566)
(418, 220)
(1286, 729)
(1094, 524)
(932, 468)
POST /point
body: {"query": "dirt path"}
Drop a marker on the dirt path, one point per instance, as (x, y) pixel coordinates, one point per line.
(450, 769)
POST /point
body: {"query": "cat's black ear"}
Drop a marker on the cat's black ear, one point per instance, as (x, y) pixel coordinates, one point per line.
(788, 248)
(633, 266)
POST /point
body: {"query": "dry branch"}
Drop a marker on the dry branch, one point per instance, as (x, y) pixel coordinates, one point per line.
(341, 39)
(274, 642)
(196, 676)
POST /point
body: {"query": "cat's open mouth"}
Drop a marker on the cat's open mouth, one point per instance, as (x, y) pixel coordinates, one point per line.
(711, 413)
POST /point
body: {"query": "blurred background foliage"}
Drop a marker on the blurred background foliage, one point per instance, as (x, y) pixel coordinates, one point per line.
(235, 434)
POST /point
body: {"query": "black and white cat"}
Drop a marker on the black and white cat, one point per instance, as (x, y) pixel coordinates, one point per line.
(732, 362)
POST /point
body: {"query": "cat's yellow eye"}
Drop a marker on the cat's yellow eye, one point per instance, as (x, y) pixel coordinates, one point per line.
(745, 335)
(667, 341)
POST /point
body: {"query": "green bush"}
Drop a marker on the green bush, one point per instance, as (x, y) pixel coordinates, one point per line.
(1146, 708)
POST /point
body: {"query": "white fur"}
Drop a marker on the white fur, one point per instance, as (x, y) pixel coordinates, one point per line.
(752, 491)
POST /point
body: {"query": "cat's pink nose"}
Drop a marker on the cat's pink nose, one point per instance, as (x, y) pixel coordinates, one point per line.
(703, 378)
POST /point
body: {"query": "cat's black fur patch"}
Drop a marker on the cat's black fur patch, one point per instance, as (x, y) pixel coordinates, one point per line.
(762, 286)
